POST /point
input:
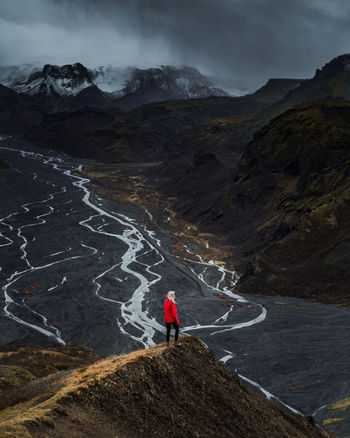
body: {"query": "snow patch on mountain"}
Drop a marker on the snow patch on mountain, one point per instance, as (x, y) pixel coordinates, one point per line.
(109, 78)
(174, 82)
(69, 79)
(150, 84)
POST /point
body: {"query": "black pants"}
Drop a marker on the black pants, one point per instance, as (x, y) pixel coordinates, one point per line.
(168, 328)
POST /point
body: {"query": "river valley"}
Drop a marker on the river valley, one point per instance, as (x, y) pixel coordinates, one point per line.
(76, 267)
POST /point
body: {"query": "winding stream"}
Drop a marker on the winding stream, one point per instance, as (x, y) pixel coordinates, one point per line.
(79, 268)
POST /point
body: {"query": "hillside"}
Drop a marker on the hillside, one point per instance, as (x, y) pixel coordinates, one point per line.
(285, 207)
(18, 112)
(150, 133)
(155, 392)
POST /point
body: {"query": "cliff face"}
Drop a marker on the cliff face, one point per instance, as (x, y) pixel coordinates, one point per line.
(155, 392)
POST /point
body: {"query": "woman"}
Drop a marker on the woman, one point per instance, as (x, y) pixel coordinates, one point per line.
(171, 317)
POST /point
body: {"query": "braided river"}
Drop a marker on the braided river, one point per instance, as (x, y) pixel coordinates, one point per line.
(76, 267)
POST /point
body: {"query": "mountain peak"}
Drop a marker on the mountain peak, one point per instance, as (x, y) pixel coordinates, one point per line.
(67, 70)
(165, 83)
(54, 79)
(336, 65)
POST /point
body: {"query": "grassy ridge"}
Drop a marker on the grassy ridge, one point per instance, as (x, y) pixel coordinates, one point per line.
(155, 392)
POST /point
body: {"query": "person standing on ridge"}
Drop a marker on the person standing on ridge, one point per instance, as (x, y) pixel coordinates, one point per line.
(170, 317)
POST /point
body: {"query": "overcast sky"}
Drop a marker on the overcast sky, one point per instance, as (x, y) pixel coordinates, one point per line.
(247, 41)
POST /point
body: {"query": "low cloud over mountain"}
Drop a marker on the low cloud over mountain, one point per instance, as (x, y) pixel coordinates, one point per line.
(243, 42)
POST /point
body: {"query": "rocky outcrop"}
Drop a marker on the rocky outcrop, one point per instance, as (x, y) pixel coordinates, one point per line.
(156, 392)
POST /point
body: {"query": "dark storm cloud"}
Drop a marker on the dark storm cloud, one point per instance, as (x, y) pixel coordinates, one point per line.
(245, 40)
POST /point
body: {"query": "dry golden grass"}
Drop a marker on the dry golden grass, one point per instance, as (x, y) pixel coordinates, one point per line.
(40, 408)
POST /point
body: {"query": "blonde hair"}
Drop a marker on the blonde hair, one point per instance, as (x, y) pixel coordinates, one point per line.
(171, 296)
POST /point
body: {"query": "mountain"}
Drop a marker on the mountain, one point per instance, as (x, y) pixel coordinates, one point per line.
(59, 87)
(154, 392)
(72, 87)
(151, 132)
(164, 83)
(159, 130)
(276, 89)
(53, 79)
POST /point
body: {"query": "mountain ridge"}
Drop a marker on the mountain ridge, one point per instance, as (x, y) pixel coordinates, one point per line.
(331, 83)
(135, 86)
(156, 130)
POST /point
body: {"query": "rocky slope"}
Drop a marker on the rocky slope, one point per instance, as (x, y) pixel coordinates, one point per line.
(154, 392)
(285, 207)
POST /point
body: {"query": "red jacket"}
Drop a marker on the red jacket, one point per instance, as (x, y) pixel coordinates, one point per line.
(170, 311)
